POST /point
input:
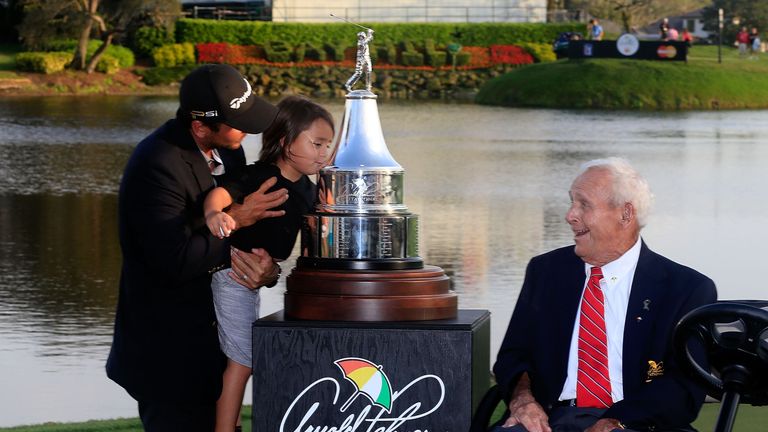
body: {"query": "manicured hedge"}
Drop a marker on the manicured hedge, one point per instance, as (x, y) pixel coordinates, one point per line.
(107, 65)
(174, 55)
(263, 32)
(124, 56)
(42, 62)
(540, 52)
(146, 39)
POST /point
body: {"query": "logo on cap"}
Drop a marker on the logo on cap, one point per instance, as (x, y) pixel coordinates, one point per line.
(196, 114)
(236, 102)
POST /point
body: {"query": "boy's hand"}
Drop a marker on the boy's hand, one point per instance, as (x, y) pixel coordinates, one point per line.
(220, 224)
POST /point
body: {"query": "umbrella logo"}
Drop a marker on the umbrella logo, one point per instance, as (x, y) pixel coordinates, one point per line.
(368, 379)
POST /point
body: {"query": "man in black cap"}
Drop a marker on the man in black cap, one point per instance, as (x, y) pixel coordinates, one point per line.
(165, 351)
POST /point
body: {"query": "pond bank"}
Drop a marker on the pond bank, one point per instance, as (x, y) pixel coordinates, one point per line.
(611, 84)
(123, 82)
(273, 82)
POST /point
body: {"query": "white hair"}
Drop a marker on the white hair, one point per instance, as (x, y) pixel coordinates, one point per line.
(628, 185)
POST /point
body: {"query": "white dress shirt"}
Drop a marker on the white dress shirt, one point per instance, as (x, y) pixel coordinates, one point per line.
(219, 170)
(616, 285)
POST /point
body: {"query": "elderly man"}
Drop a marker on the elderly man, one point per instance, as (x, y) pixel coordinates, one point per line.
(589, 345)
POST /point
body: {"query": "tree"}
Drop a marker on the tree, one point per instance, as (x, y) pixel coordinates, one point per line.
(45, 21)
(750, 14)
(104, 19)
(637, 13)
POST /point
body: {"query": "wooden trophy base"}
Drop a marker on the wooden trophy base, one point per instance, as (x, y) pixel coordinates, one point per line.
(392, 295)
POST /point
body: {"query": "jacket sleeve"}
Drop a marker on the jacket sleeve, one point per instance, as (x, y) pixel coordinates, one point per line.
(165, 222)
(514, 355)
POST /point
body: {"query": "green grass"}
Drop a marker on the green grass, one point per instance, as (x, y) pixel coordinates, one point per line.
(164, 75)
(702, 83)
(748, 419)
(117, 425)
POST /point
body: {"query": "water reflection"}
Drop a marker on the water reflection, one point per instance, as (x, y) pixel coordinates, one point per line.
(489, 185)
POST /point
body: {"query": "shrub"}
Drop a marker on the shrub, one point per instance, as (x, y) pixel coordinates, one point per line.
(413, 58)
(299, 53)
(108, 64)
(386, 53)
(123, 55)
(315, 52)
(335, 50)
(43, 62)
(174, 55)
(540, 52)
(278, 52)
(407, 45)
(463, 58)
(146, 39)
(436, 58)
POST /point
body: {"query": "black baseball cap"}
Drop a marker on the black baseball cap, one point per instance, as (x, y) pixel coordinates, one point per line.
(220, 93)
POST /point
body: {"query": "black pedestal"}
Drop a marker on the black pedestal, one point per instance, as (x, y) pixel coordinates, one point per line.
(369, 376)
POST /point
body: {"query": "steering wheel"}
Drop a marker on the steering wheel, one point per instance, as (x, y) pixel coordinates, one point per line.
(734, 335)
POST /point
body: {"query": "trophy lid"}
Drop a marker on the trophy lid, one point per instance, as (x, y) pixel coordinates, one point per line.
(361, 144)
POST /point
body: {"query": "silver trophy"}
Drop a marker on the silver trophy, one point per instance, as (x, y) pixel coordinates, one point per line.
(359, 248)
(360, 221)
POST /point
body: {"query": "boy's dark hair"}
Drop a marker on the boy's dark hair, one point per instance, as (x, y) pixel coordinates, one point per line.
(295, 115)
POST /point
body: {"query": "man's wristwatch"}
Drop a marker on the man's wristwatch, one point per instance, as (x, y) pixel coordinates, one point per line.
(277, 277)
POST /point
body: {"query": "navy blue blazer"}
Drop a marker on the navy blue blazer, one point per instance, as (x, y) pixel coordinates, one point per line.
(539, 336)
(165, 341)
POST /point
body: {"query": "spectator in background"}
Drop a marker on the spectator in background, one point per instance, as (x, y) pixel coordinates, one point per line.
(664, 28)
(754, 47)
(672, 34)
(687, 38)
(595, 30)
(756, 43)
(742, 39)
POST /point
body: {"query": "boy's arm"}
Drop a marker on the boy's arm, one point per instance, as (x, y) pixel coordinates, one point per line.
(217, 200)
(219, 223)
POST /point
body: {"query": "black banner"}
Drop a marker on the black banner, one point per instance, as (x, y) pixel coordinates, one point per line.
(629, 49)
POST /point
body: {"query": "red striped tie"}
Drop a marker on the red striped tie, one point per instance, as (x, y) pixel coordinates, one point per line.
(593, 386)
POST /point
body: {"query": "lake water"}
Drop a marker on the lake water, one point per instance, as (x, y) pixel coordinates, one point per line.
(489, 184)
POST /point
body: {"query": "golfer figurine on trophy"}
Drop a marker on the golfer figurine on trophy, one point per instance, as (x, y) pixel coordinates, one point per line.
(363, 61)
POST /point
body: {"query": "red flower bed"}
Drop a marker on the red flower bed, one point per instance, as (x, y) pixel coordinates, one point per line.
(213, 52)
(245, 54)
(510, 54)
(481, 57)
